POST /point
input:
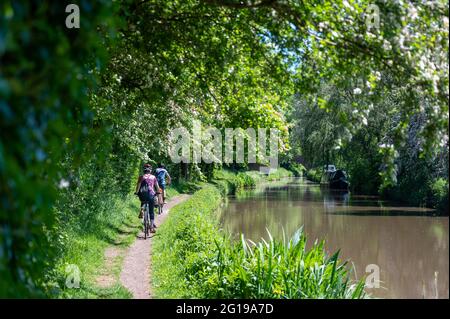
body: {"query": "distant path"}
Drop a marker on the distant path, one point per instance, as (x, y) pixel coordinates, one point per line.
(135, 275)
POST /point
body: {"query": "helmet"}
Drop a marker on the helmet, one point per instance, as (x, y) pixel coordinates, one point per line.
(147, 168)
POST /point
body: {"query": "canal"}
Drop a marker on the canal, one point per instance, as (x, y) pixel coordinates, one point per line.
(408, 245)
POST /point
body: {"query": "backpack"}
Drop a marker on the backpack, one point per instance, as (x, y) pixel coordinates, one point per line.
(160, 176)
(144, 191)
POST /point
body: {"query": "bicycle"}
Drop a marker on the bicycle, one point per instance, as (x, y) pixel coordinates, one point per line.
(146, 221)
(159, 204)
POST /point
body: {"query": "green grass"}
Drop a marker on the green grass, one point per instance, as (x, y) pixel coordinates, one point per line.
(85, 239)
(85, 247)
(181, 243)
(195, 260)
(279, 174)
(183, 187)
(231, 182)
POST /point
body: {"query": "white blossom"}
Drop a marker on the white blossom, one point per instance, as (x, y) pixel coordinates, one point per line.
(387, 45)
(412, 12)
(63, 183)
(357, 91)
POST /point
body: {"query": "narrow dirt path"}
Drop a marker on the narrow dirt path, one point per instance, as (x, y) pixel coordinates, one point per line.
(136, 271)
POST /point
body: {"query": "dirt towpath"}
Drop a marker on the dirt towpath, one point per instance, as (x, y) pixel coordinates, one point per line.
(136, 271)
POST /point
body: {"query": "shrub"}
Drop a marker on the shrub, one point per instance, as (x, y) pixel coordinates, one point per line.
(314, 174)
(245, 180)
(297, 169)
(438, 195)
(279, 174)
(45, 116)
(229, 182)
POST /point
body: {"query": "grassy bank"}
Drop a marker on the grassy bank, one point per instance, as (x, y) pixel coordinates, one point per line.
(95, 249)
(193, 259)
(84, 253)
(230, 182)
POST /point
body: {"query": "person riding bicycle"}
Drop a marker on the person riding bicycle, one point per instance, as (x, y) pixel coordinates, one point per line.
(153, 189)
(161, 174)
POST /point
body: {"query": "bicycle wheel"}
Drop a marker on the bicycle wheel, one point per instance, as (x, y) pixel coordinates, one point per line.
(146, 221)
(160, 209)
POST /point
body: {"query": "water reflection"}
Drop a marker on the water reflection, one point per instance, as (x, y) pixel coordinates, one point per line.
(407, 243)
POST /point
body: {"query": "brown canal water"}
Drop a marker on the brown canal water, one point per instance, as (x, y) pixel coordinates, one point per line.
(409, 244)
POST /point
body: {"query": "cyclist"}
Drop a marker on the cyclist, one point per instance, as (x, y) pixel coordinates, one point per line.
(161, 174)
(153, 189)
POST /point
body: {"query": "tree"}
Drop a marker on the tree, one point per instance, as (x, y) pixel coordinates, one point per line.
(224, 62)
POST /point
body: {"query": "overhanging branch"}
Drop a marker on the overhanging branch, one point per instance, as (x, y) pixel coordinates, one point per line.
(241, 4)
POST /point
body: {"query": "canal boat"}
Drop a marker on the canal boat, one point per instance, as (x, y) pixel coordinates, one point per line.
(338, 180)
(328, 171)
(334, 178)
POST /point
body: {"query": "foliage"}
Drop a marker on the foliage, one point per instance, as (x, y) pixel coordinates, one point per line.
(233, 64)
(278, 174)
(44, 84)
(211, 266)
(439, 194)
(230, 182)
(81, 107)
(182, 186)
(296, 168)
(315, 174)
(366, 149)
(276, 269)
(244, 180)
